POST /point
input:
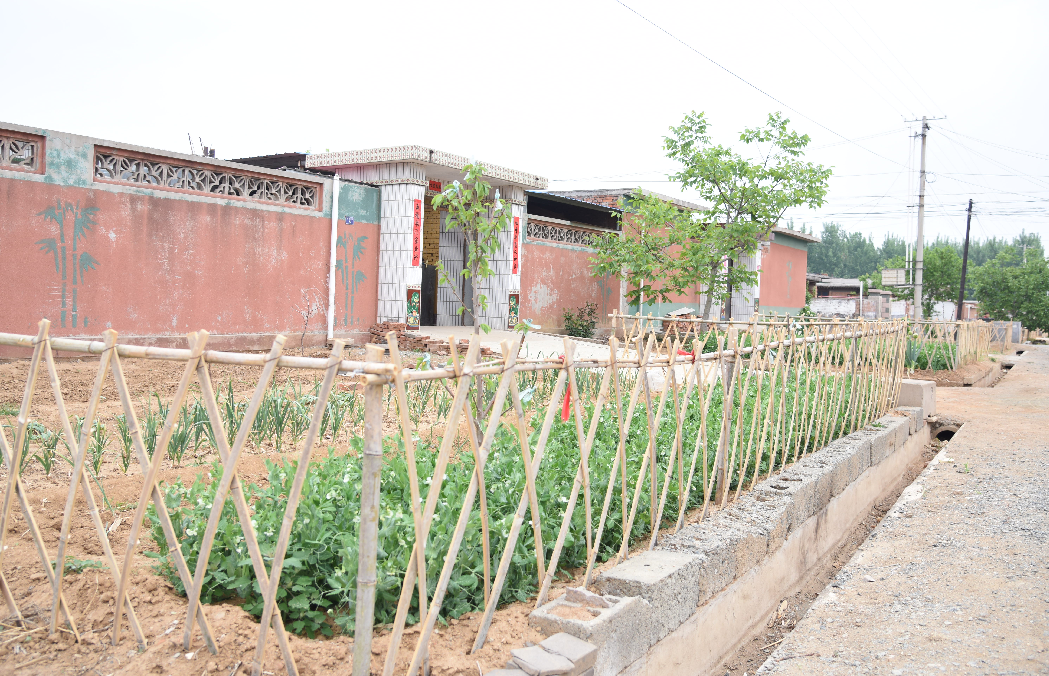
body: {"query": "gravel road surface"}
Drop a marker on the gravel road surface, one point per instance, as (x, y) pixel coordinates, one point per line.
(956, 577)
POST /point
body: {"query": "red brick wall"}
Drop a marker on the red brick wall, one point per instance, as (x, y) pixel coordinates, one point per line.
(555, 278)
(161, 267)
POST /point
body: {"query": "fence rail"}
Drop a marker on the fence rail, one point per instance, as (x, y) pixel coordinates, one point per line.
(647, 434)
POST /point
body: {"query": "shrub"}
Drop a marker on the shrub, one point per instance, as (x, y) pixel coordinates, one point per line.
(582, 323)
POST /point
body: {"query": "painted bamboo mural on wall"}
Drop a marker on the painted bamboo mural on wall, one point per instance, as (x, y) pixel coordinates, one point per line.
(70, 263)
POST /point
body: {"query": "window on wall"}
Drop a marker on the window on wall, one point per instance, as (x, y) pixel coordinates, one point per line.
(21, 152)
(165, 173)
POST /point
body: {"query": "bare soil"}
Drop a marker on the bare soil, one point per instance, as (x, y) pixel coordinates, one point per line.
(953, 378)
(160, 610)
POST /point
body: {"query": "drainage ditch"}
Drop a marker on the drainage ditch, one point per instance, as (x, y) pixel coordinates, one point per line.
(752, 654)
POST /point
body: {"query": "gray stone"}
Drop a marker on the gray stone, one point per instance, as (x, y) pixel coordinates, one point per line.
(536, 661)
(582, 654)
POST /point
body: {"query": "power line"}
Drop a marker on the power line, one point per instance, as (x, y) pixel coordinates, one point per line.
(750, 84)
(1032, 179)
(805, 25)
(1003, 147)
(895, 58)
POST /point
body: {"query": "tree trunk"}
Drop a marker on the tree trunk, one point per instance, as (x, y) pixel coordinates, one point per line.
(708, 306)
(475, 297)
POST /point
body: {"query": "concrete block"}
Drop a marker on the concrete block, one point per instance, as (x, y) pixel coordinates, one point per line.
(896, 430)
(728, 545)
(582, 654)
(506, 672)
(917, 416)
(536, 661)
(666, 579)
(801, 483)
(921, 393)
(845, 460)
(767, 510)
(883, 439)
(586, 597)
(622, 633)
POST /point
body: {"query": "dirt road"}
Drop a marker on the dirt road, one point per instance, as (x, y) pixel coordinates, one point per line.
(956, 578)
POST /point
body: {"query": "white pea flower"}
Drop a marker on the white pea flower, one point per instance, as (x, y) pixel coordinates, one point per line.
(254, 524)
(190, 532)
(306, 520)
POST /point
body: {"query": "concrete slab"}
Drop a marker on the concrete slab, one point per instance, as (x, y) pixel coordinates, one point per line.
(536, 661)
(582, 654)
(920, 393)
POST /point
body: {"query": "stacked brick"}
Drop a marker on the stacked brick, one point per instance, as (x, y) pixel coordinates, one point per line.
(413, 341)
(560, 655)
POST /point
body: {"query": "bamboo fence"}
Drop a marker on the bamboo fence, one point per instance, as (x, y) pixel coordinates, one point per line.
(814, 381)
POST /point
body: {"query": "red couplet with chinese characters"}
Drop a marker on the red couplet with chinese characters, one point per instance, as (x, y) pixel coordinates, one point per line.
(417, 233)
(517, 238)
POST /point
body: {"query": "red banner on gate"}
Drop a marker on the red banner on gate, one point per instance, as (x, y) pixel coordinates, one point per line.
(417, 234)
(517, 238)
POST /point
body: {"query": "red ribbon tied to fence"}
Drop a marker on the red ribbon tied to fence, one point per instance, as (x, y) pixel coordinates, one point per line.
(688, 354)
(568, 398)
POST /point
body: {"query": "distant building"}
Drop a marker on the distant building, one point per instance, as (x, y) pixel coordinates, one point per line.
(783, 275)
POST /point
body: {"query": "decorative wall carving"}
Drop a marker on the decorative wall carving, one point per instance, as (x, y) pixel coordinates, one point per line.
(159, 173)
(19, 153)
(562, 235)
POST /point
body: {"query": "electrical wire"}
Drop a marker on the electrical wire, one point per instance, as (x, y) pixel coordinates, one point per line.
(752, 85)
(1037, 156)
(895, 58)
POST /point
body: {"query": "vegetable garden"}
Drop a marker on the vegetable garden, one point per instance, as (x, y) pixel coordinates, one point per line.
(441, 489)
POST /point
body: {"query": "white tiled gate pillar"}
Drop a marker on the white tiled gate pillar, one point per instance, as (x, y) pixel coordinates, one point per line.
(400, 185)
(505, 281)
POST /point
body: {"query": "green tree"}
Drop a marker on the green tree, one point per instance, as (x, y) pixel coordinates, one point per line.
(746, 198)
(1010, 288)
(481, 218)
(843, 254)
(941, 277)
(644, 256)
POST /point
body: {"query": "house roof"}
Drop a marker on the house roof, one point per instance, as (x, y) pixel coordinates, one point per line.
(440, 164)
(622, 192)
(796, 234)
(840, 282)
(549, 205)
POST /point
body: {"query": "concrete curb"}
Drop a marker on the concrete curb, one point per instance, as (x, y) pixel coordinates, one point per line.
(705, 586)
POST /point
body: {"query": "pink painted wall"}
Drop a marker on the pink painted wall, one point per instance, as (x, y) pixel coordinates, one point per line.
(556, 277)
(783, 277)
(164, 266)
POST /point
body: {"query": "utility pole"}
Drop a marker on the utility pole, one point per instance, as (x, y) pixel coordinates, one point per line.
(965, 261)
(919, 251)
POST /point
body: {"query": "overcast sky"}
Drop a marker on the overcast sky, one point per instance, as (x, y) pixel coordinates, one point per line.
(580, 91)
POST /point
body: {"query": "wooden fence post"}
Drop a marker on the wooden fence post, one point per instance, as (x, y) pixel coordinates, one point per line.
(371, 466)
(728, 369)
